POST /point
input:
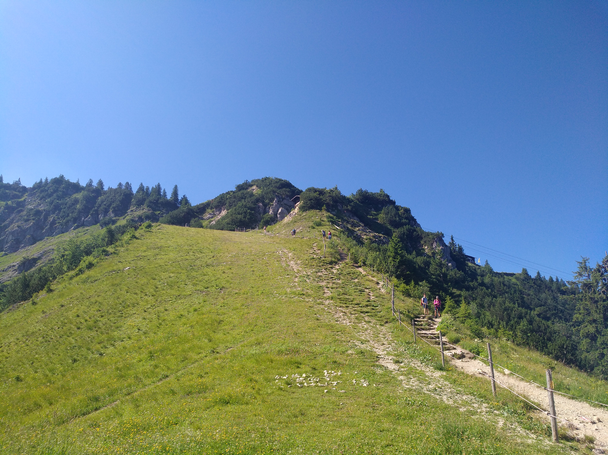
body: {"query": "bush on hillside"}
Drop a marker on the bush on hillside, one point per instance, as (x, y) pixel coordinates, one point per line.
(179, 217)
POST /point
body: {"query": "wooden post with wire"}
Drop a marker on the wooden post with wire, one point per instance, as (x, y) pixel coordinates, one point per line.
(441, 345)
(414, 329)
(399, 316)
(552, 407)
(393, 301)
(492, 370)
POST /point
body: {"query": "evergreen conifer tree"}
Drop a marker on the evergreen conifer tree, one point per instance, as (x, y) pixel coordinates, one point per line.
(184, 202)
(174, 196)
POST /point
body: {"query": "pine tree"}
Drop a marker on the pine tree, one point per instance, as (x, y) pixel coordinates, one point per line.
(140, 196)
(100, 185)
(395, 255)
(174, 196)
(184, 202)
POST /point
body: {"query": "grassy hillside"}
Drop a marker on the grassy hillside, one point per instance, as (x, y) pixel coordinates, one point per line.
(202, 341)
(43, 250)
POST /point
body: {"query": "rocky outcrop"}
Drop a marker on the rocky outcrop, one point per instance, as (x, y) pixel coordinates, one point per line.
(217, 217)
(280, 207)
(21, 235)
(90, 220)
(441, 248)
(281, 213)
(26, 264)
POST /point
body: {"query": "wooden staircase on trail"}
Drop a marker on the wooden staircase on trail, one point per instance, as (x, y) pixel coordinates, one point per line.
(426, 328)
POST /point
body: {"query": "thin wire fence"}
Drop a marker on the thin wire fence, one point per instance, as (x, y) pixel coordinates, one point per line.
(485, 359)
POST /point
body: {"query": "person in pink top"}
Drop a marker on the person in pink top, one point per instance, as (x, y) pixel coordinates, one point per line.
(437, 304)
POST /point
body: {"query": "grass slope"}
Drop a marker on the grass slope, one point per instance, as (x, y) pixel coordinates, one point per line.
(44, 248)
(197, 341)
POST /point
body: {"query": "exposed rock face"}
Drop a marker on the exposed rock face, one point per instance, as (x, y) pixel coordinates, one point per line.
(218, 216)
(439, 245)
(281, 213)
(209, 215)
(90, 220)
(279, 204)
(25, 264)
(21, 235)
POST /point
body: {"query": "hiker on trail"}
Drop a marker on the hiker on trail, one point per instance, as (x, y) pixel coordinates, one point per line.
(323, 233)
(437, 304)
(264, 229)
(329, 235)
(293, 232)
(425, 304)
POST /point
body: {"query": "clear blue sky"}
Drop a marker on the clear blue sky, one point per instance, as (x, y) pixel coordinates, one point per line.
(488, 119)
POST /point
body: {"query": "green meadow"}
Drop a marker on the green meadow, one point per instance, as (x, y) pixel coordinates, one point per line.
(200, 341)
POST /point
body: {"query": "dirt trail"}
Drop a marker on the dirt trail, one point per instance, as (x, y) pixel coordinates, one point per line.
(579, 417)
(378, 339)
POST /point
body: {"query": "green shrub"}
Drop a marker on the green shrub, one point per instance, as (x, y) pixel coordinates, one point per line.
(453, 338)
(87, 263)
(472, 347)
(450, 306)
(267, 220)
(108, 221)
(476, 331)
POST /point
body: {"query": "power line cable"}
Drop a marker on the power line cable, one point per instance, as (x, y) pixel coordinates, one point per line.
(547, 272)
(510, 255)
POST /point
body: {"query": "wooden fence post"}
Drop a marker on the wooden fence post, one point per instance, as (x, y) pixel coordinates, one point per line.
(441, 345)
(414, 329)
(399, 316)
(552, 407)
(492, 369)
